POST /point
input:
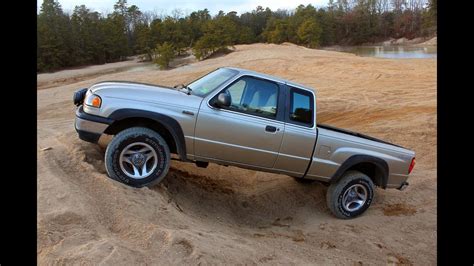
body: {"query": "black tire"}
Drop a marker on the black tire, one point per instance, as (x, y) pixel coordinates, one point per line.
(303, 180)
(354, 181)
(127, 138)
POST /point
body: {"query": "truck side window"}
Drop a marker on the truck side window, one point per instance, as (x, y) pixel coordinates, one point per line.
(301, 106)
(254, 96)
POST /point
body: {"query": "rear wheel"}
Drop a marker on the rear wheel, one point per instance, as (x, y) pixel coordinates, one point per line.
(138, 157)
(351, 195)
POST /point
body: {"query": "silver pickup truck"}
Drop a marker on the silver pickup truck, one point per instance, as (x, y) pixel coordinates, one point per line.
(242, 118)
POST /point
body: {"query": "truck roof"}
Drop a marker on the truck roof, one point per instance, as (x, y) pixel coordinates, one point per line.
(287, 82)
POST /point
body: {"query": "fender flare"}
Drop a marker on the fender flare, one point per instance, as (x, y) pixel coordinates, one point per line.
(167, 122)
(381, 168)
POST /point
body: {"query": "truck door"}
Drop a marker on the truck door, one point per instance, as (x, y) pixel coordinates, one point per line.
(248, 131)
(300, 132)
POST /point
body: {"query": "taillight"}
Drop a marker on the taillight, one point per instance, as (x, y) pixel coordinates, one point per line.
(412, 164)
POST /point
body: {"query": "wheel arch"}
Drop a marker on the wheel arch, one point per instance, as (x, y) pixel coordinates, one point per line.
(165, 125)
(375, 168)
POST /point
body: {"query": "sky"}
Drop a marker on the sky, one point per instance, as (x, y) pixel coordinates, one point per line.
(166, 6)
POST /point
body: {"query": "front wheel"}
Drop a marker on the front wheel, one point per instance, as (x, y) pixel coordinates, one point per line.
(351, 195)
(137, 157)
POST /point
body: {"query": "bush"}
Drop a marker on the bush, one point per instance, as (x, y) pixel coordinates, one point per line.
(164, 54)
(202, 53)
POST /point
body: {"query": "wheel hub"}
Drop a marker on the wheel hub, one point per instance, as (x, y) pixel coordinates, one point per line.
(354, 197)
(138, 159)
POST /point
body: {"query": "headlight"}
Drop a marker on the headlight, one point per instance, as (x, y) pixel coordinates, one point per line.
(92, 100)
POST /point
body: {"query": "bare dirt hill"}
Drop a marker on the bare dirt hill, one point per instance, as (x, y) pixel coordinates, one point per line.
(229, 215)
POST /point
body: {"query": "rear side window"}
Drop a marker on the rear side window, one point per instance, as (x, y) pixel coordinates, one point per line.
(301, 107)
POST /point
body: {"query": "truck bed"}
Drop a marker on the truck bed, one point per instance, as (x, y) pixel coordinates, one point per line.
(340, 130)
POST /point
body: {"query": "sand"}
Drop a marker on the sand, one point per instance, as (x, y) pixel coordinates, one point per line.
(230, 215)
(431, 42)
(69, 76)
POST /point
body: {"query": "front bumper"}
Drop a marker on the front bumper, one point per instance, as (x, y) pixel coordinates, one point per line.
(90, 127)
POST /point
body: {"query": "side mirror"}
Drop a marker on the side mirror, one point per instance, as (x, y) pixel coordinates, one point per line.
(223, 100)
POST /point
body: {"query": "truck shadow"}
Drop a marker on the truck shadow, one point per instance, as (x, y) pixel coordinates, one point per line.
(238, 196)
(259, 204)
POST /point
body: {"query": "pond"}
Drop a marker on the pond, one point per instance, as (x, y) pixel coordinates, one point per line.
(390, 51)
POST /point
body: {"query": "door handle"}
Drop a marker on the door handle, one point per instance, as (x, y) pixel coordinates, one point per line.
(270, 129)
(188, 112)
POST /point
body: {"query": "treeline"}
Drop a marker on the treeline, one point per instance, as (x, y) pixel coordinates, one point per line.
(86, 37)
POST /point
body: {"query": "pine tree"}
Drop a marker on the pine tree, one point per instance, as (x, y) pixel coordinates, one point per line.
(164, 54)
(54, 38)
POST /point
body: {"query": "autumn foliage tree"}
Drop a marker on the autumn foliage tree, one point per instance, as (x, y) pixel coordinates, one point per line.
(309, 33)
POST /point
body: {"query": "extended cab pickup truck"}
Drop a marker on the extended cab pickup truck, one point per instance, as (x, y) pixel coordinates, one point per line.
(242, 118)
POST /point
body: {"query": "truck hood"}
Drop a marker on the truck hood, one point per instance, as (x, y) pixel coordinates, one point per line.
(144, 92)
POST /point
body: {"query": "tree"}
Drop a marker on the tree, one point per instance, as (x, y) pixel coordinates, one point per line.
(133, 19)
(196, 22)
(143, 43)
(301, 14)
(219, 33)
(246, 36)
(205, 46)
(54, 37)
(429, 18)
(86, 37)
(309, 33)
(172, 31)
(164, 54)
(116, 45)
(155, 32)
(327, 23)
(276, 31)
(118, 27)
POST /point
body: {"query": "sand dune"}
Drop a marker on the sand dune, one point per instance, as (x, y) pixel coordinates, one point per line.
(230, 215)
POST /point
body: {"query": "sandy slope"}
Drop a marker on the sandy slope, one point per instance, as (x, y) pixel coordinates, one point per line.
(229, 215)
(69, 76)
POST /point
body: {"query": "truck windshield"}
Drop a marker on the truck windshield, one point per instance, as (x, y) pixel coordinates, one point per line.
(206, 84)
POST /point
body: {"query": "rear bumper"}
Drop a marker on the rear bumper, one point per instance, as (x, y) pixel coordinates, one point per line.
(90, 127)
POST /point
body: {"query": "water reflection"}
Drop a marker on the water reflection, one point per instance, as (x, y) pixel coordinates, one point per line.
(391, 51)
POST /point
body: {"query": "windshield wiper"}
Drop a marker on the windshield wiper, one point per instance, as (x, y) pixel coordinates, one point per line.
(182, 86)
(188, 89)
